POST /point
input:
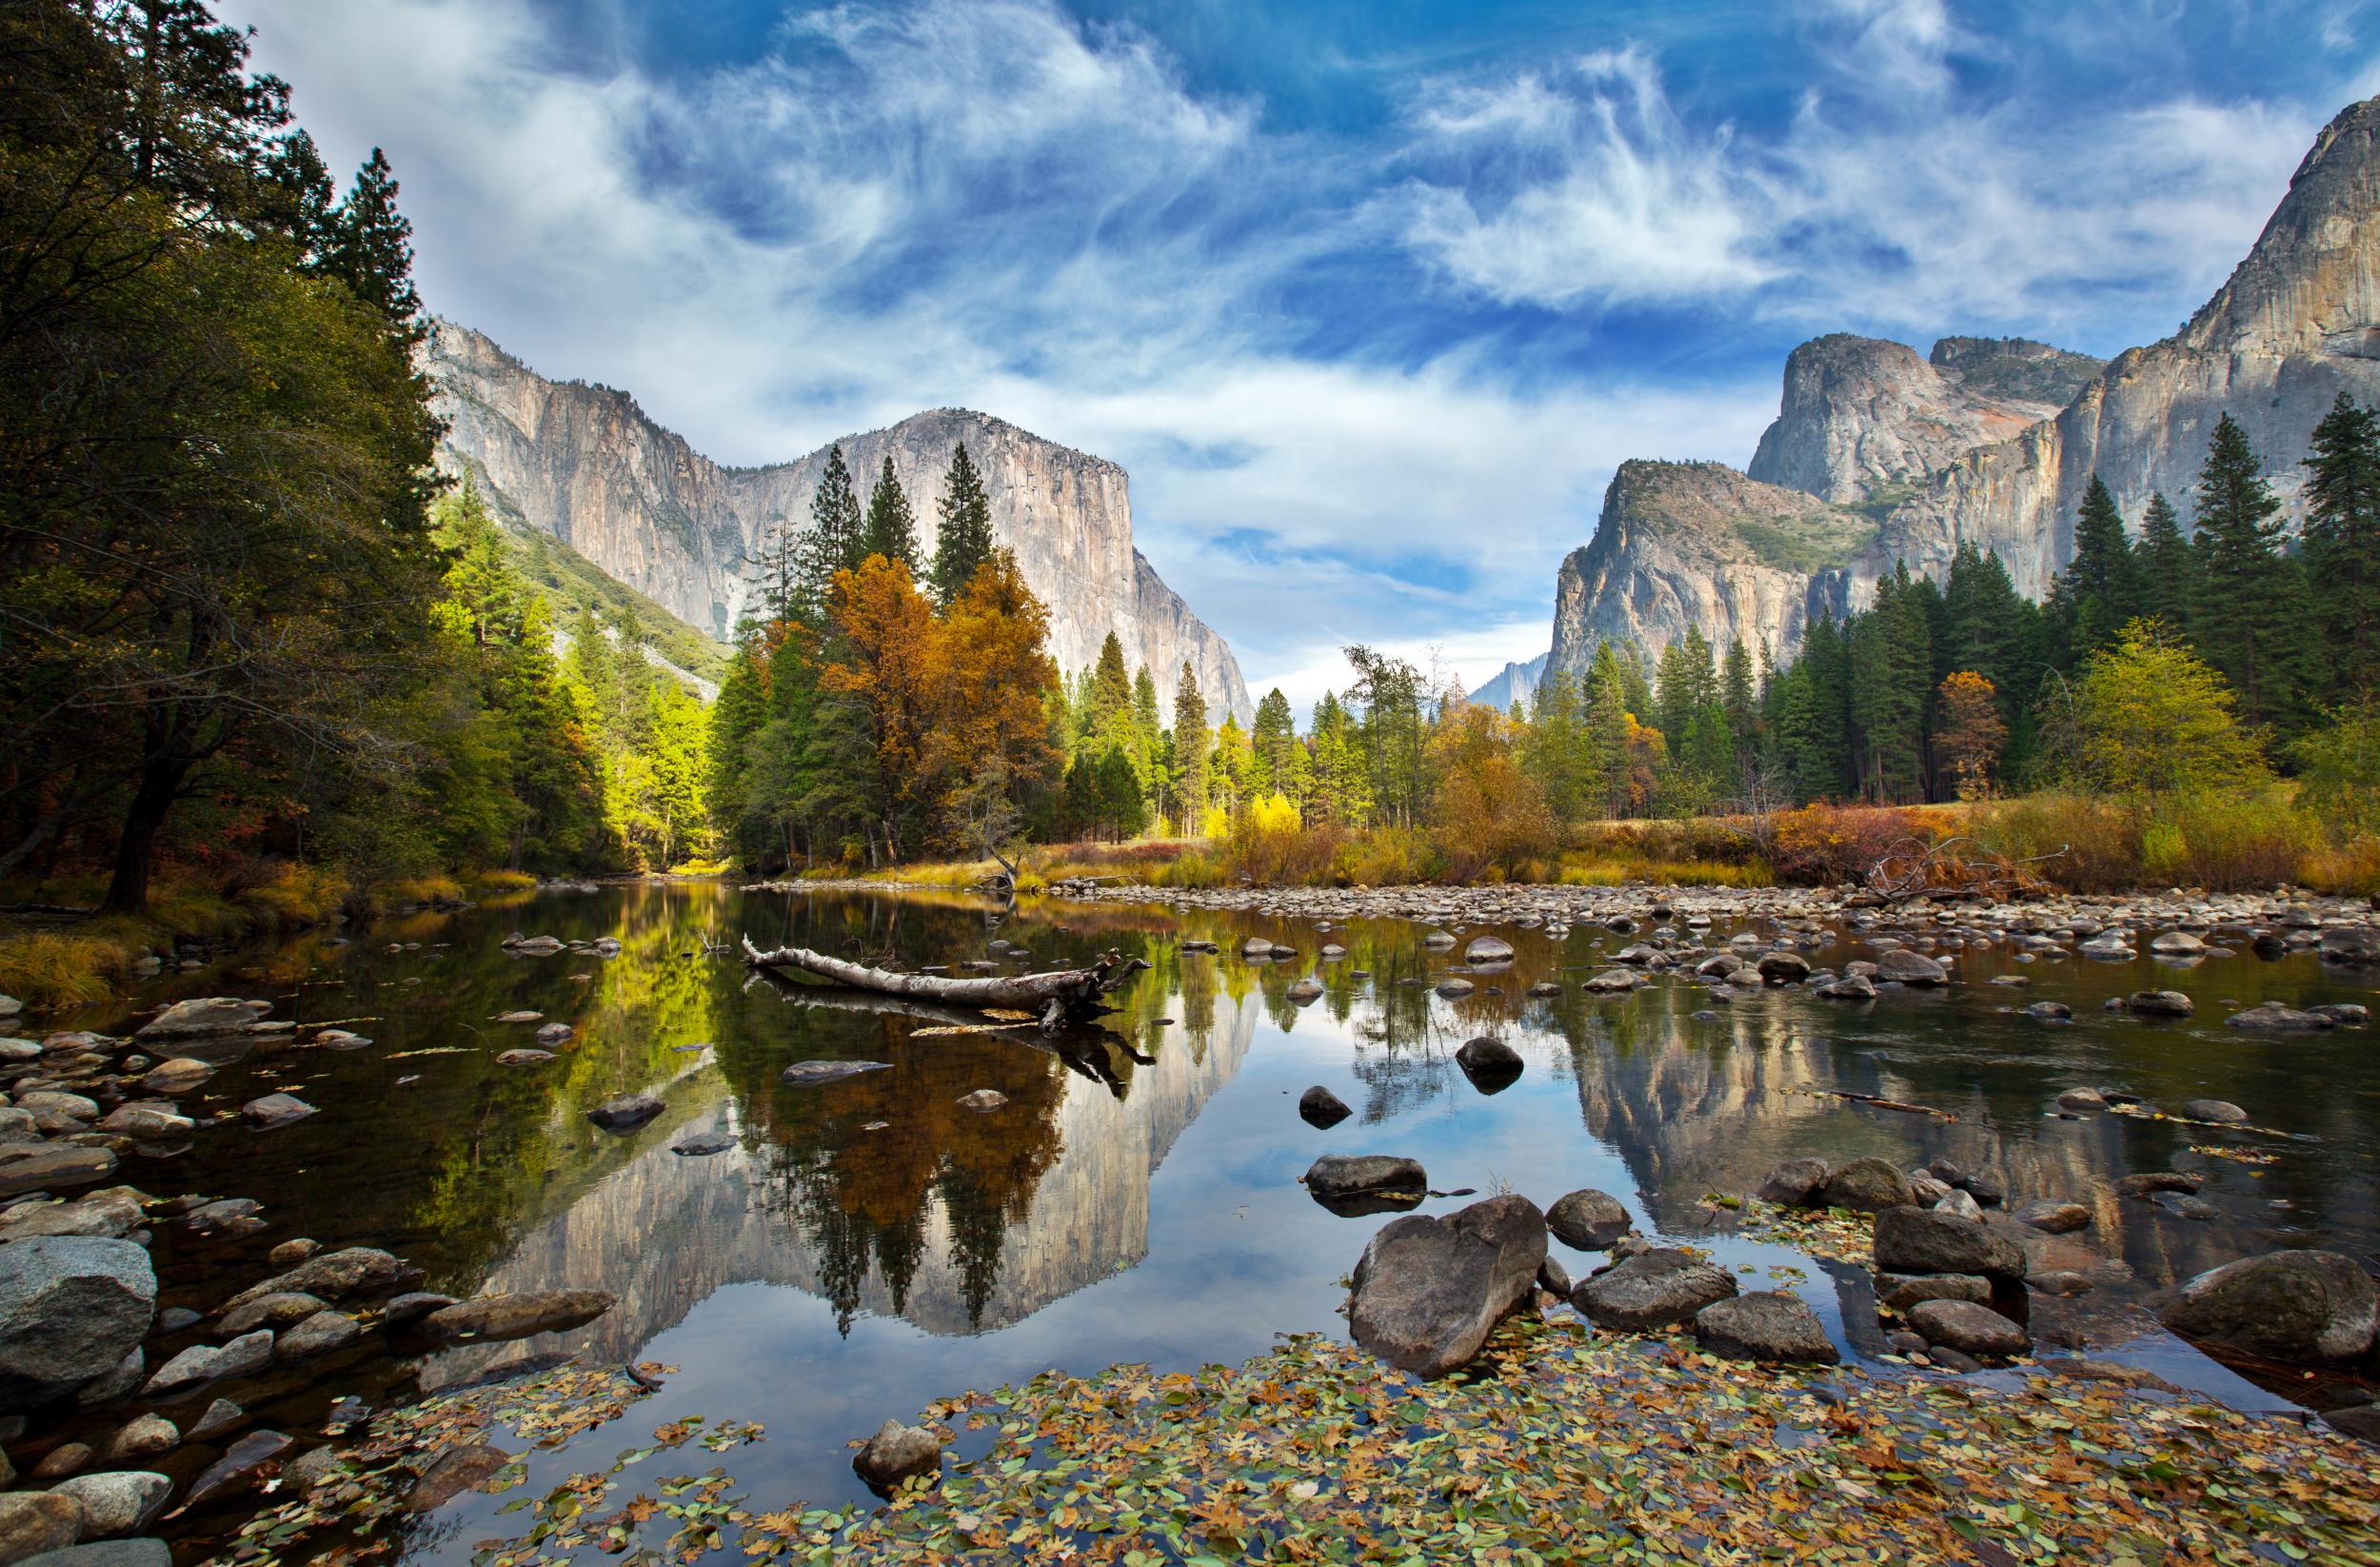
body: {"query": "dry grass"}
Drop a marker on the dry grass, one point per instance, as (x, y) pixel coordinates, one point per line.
(502, 881)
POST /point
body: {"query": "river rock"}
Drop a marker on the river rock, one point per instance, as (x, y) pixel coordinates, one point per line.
(2272, 1016)
(1911, 968)
(220, 1417)
(323, 1332)
(1793, 1182)
(802, 1073)
(555, 1034)
(1968, 1327)
(1848, 987)
(109, 1214)
(1654, 1289)
(64, 1459)
(2219, 1110)
(231, 1215)
(1428, 1291)
(274, 1110)
(176, 1076)
(333, 1276)
(2314, 1307)
(1960, 1204)
(625, 1112)
(456, 1470)
(147, 1121)
(897, 1453)
(1487, 949)
(703, 1144)
(523, 1057)
(1490, 1064)
(535, 946)
(201, 1363)
(2345, 1013)
(203, 1016)
(2049, 1012)
(1866, 1185)
(2160, 1003)
(119, 1502)
(71, 1308)
(117, 1384)
(2176, 944)
(414, 1307)
(50, 1102)
(2150, 1182)
(1901, 1291)
(1454, 987)
(1612, 981)
(1587, 1219)
(238, 1466)
(2355, 945)
(290, 1252)
(35, 1522)
(1911, 1240)
(69, 1166)
(1783, 967)
(1319, 1107)
(1771, 1327)
(1339, 1176)
(1305, 992)
(2052, 1217)
(140, 1438)
(496, 1316)
(982, 1098)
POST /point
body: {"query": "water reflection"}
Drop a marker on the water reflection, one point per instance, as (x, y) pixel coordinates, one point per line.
(868, 1244)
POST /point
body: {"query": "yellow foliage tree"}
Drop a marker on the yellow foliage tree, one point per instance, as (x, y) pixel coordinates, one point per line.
(2148, 718)
(1489, 814)
(1970, 733)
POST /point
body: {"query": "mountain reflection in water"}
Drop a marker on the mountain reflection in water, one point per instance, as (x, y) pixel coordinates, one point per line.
(868, 1245)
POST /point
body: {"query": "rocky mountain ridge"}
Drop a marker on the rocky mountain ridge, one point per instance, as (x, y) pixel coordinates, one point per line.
(1878, 456)
(585, 464)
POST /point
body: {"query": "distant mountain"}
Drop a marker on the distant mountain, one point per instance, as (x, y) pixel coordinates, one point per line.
(1516, 682)
(585, 466)
(1880, 456)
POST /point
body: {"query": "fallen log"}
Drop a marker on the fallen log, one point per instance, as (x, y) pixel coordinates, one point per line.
(1055, 997)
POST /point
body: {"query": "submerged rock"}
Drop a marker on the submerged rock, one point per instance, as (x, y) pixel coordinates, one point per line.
(274, 1110)
(204, 1015)
(503, 1317)
(803, 1073)
(1428, 1291)
(456, 1470)
(897, 1453)
(982, 1098)
(625, 1112)
(239, 1466)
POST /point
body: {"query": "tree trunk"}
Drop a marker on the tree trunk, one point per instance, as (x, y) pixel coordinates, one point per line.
(136, 847)
(1054, 997)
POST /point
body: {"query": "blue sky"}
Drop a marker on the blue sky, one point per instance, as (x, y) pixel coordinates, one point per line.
(1370, 299)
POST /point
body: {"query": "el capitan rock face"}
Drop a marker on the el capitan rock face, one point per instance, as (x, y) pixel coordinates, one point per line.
(1936, 452)
(586, 464)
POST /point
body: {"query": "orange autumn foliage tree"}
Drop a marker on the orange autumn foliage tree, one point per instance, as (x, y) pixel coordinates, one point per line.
(1969, 732)
(953, 707)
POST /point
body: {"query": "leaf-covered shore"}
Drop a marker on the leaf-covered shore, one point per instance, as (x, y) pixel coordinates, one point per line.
(1560, 1445)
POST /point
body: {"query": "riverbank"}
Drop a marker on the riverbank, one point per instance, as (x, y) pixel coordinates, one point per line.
(1559, 1445)
(58, 950)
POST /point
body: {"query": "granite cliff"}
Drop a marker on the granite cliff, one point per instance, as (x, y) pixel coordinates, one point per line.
(1878, 456)
(585, 464)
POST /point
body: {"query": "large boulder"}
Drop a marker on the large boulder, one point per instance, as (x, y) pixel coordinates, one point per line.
(1428, 1291)
(517, 1316)
(2276, 1018)
(1911, 968)
(71, 1308)
(1336, 1177)
(1652, 1290)
(1911, 1240)
(1868, 1185)
(2313, 1307)
(35, 1522)
(1490, 1064)
(1769, 1325)
(1587, 1219)
(1793, 1182)
(1487, 949)
(202, 1363)
(2358, 945)
(2160, 1003)
(118, 1501)
(1784, 967)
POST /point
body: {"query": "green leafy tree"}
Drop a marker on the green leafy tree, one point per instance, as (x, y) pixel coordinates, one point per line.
(2150, 718)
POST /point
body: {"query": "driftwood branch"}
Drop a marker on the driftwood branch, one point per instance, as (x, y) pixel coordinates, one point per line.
(1912, 868)
(1055, 997)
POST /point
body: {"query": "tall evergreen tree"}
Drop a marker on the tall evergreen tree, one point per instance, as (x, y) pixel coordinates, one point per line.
(963, 542)
(1740, 698)
(890, 531)
(1275, 732)
(1192, 741)
(1892, 676)
(836, 533)
(1107, 705)
(2343, 544)
(2251, 621)
(2100, 590)
(2168, 567)
(372, 251)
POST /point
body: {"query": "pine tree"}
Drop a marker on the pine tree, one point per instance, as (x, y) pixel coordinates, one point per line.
(1607, 727)
(2100, 590)
(1192, 743)
(834, 540)
(1741, 700)
(1892, 679)
(372, 250)
(2168, 568)
(1275, 732)
(2343, 544)
(2250, 619)
(890, 531)
(963, 542)
(301, 200)
(1823, 759)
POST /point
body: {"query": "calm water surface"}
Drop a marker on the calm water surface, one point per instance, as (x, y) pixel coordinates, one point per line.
(869, 1245)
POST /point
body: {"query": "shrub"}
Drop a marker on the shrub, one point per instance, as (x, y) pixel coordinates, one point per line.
(2100, 840)
(1818, 844)
(2229, 846)
(1387, 857)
